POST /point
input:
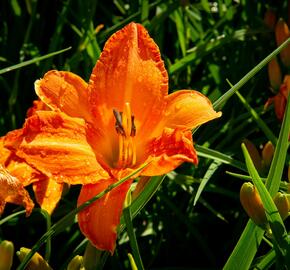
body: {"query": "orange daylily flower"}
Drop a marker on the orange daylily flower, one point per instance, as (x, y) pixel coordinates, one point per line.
(47, 191)
(99, 132)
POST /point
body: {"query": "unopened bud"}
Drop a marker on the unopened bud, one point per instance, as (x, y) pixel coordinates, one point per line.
(282, 204)
(267, 154)
(282, 34)
(251, 202)
(36, 262)
(275, 74)
(76, 263)
(254, 153)
(6, 255)
(132, 262)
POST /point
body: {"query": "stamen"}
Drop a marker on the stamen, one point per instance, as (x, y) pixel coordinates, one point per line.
(126, 130)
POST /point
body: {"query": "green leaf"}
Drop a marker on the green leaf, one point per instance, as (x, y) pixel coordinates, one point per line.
(32, 61)
(210, 171)
(218, 156)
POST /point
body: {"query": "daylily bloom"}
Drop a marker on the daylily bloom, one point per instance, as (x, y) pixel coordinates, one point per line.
(47, 191)
(100, 132)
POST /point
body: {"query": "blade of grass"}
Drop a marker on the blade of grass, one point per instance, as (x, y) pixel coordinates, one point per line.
(149, 190)
(267, 131)
(2, 221)
(218, 156)
(209, 173)
(219, 103)
(32, 61)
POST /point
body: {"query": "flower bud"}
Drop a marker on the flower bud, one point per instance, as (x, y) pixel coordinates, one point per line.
(282, 204)
(35, 263)
(6, 255)
(282, 34)
(254, 153)
(76, 263)
(132, 262)
(275, 75)
(267, 154)
(251, 202)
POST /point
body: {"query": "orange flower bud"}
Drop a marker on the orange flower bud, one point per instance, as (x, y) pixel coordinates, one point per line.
(282, 204)
(6, 255)
(274, 73)
(254, 153)
(270, 18)
(282, 33)
(252, 204)
(267, 154)
(36, 262)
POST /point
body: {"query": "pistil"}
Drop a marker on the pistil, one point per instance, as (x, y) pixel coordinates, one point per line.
(126, 130)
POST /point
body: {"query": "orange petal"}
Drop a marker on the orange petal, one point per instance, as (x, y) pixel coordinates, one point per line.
(56, 145)
(169, 151)
(188, 109)
(130, 69)
(99, 221)
(48, 193)
(66, 92)
(12, 191)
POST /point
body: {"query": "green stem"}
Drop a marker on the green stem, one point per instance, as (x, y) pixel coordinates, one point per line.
(132, 238)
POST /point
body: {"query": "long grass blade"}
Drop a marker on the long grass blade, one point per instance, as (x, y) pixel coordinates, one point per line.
(32, 61)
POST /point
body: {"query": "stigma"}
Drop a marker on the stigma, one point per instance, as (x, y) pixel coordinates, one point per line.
(126, 130)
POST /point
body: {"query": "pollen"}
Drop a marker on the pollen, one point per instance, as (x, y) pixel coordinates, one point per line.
(126, 130)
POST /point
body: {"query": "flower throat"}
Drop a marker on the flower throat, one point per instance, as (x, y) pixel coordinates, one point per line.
(126, 131)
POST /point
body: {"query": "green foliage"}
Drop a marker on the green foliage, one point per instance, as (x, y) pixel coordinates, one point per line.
(190, 218)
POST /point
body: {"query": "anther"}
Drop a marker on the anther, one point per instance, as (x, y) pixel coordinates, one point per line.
(133, 128)
(118, 125)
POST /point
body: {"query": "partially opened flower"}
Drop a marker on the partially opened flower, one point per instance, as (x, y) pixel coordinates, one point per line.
(98, 133)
